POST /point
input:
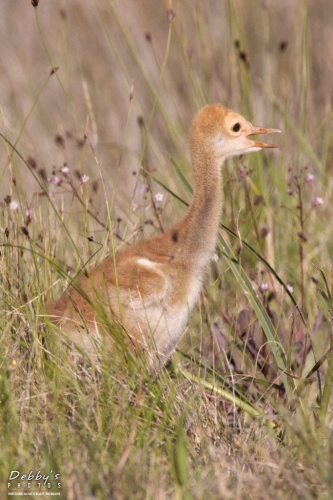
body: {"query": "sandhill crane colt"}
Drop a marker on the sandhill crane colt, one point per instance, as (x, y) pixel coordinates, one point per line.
(150, 287)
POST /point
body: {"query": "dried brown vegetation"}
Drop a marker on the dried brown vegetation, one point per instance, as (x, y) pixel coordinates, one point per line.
(96, 99)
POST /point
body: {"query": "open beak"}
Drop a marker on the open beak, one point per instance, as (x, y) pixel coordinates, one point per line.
(262, 130)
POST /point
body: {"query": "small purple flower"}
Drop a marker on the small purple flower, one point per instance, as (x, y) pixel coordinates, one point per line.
(135, 206)
(159, 197)
(309, 178)
(318, 201)
(144, 189)
(290, 288)
(84, 179)
(65, 170)
(290, 192)
(28, 216)
(264, 287)
(57, 181)
(13, 205)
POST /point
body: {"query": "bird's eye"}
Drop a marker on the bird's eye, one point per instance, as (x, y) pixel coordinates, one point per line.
(236, 127)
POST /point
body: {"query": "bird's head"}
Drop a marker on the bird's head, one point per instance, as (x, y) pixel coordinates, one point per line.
(225, 133)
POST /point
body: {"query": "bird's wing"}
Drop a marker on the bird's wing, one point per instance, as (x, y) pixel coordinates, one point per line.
(142, 283)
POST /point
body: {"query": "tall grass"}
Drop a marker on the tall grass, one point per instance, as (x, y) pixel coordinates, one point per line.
(95, 110)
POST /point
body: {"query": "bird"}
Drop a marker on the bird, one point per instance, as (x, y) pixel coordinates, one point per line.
(147, 290)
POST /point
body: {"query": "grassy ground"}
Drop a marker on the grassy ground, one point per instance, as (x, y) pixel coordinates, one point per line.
(96, 99)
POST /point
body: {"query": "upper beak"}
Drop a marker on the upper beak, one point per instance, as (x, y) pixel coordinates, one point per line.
(262, 130)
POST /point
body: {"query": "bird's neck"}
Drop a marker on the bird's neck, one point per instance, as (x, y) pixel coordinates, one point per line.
(200, 225)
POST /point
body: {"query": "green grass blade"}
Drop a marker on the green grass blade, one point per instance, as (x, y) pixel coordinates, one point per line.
(261, 313)
(267, 265)
(231, 397)
(182, 176)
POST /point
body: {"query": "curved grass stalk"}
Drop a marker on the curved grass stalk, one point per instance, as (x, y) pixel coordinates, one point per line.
(261, 313)
(232, 398)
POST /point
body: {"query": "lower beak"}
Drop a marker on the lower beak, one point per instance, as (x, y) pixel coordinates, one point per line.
(262, 130)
